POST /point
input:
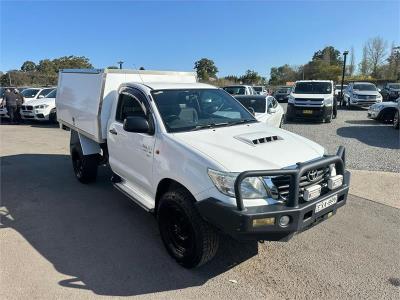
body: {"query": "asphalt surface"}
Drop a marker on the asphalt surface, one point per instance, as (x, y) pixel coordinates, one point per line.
(370, 145)
(61, 239)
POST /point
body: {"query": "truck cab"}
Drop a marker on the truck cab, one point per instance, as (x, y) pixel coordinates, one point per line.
(312, 99)
(193, 156)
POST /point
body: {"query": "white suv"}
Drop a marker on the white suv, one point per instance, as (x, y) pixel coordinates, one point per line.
(361, 94)
(43, 109)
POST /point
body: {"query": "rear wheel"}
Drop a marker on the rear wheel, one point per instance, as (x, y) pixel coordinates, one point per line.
(85, 166)
(188, 238)
(53, 116)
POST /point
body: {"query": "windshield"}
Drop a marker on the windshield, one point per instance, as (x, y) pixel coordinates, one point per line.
(364, 87)
(193, 109)
(313, 88)
(29, 93)
(235, 90)
(258, 104)
(52, 94)
(394, 86)
(257, 88)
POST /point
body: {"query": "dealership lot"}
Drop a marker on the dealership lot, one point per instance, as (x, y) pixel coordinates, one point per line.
(61, 239)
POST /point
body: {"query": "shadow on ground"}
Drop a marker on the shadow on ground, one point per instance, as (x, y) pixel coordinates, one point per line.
(93, 234)
(32, 123)
(374, 135)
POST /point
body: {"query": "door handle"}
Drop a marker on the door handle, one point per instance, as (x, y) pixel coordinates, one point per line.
(113, 131)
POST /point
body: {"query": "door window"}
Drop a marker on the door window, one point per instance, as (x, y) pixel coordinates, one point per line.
(130, 106)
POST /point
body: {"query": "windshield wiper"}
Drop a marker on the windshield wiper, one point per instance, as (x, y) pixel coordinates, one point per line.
(212, 125)
(242, 122)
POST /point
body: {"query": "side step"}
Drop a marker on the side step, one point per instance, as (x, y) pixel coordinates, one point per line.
(121, 187)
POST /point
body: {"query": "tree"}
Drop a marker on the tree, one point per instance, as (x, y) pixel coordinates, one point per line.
(71, 62)
(376, 52)
(205, 69)
(112, 67)
(329, 55)
(250, 77)
(351, 67)
(28, 66)
(394, 63)
(364, 64)
(283, 74)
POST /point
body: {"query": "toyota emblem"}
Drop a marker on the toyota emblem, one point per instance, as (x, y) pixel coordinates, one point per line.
(312, 175)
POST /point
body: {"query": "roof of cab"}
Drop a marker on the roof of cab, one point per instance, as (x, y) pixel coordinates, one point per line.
(173, 86)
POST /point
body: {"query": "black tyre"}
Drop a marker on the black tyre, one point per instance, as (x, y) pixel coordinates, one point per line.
(188, 238)
(85, 166)
(328, 119)
(396, 120)
(281, 123)
(53, 117)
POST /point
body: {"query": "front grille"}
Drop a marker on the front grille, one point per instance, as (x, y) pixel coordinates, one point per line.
(282, 183)
(367, 97)
(27, 107)
(309, 102)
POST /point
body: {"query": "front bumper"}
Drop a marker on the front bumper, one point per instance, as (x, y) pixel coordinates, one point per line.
(304, 112)
(238, 221)
(363, 103)
(33, 115)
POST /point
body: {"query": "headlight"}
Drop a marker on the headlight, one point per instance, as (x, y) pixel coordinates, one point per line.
(41, 106)
(251, 187)
(378, 107)
(328, 101)
(291, 99)
(355, 96)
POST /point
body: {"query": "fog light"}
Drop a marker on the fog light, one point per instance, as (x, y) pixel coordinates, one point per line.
(284, 221)
(335, 182)
(263, 222)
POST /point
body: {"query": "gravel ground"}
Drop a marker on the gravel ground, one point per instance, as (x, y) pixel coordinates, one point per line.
(370, 145)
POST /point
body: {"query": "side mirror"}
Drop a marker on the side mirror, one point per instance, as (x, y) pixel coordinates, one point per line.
(271, 110)
(40, 97)
(253, 112)
(138, 124)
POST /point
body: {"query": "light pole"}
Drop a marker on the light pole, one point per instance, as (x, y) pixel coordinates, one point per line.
(344, 70)
(120, 63)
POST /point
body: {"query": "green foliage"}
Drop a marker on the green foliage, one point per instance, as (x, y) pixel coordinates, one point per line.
(283, 74)
(205, 69)
(250, 77)
(44, 73)
(329, 55)
(112, 67)
(28, 66)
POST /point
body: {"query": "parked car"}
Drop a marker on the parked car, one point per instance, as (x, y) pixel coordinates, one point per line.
(338, 88)
(384, 111)
(361, 94)
(197, 159)
(35, 93)
(312, 99)
(390, 91)
(240, 90)
(42, 109)
(260, 90)
(265, 108)
(282, 93)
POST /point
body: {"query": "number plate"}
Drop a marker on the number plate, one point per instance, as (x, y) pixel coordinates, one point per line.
(326, 203)
(307, 112)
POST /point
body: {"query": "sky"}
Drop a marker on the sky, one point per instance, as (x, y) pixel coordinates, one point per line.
(172, 35)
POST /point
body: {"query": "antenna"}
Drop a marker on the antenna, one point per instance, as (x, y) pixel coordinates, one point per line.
(139, 73)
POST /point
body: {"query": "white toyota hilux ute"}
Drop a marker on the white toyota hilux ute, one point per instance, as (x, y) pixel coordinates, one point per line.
(196, 158)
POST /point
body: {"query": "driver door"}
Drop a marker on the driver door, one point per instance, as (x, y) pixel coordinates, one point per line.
(131, 153)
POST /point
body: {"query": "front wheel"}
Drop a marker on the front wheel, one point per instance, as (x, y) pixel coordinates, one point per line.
(188, 238)
(396, 120)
